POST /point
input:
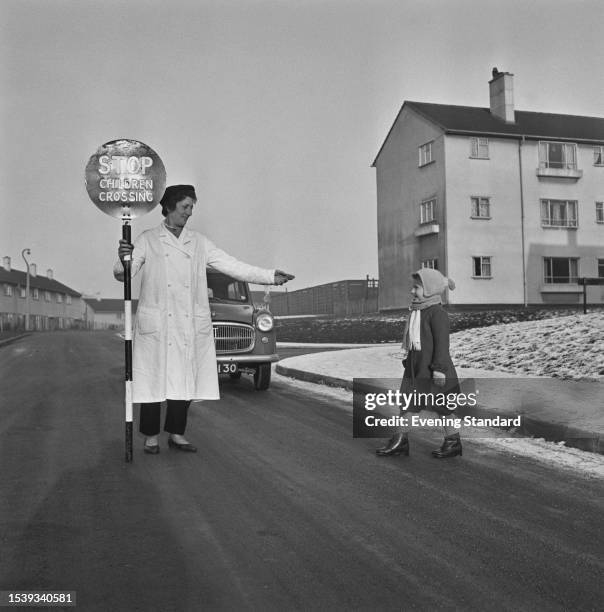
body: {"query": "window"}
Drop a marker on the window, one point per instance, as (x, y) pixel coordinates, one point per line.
(59, 298)
(481, 208)
(8, 290)
(430, 263)
(47, 296)
(427, 211)
(22, 292)
(425, 154)
(558, 213)
(481, 267)
(599, 156)
(35, 293)
(68, 299)
(558, 155)
(599, 212)
(600, 268)
(560, 270)
(225, 288)
(479, 148)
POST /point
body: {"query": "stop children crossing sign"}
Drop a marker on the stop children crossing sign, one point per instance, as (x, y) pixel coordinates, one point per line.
(125, 179)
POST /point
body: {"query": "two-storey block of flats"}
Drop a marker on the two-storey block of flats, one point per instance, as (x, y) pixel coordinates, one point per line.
(510, 204)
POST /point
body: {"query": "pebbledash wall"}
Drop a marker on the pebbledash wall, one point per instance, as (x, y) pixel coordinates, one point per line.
(52, 305)
(513, 175)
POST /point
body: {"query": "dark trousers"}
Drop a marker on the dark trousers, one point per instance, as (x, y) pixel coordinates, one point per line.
(176, 417)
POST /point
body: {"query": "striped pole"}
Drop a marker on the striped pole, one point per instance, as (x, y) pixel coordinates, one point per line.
(126, 235)
(126, 179)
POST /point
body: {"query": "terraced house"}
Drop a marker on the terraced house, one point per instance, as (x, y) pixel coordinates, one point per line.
(508, 203)
(52, 305)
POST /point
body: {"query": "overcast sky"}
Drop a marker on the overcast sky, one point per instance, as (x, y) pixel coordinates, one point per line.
(274, 110)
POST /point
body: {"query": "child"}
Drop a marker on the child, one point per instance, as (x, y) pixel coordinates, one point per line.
(428, 365)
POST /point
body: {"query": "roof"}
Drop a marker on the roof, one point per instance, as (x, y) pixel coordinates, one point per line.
(472, 120)
(108, 305)
(18, 277)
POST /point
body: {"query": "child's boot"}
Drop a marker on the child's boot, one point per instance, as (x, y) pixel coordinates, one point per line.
(451, 447)
(399, 443)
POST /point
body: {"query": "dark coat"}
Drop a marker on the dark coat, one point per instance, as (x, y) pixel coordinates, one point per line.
(433, 356)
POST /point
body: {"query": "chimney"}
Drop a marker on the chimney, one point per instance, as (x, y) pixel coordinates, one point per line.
(6, 263)
(501, 91)
(33, 269)
(49, 274)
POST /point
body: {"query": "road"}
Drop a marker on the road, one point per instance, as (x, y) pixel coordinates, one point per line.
(281, 509)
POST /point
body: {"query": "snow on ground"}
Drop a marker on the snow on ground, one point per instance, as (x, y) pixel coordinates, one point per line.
(326, 345)
(571, 347)
(381, 361)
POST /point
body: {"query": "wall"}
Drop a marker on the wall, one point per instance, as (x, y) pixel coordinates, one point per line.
(499, 237)
(585, 242)
(401, 186)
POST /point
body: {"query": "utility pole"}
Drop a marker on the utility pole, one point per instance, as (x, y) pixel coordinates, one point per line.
(27, 303)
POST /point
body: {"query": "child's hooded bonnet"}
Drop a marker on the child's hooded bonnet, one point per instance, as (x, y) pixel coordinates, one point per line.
(433, 282)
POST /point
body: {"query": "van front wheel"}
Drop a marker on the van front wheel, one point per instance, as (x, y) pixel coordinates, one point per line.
(262, 377)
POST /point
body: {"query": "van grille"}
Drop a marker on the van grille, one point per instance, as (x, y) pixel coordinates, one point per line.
(233, 338)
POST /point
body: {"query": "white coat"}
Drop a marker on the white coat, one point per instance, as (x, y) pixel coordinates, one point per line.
(173, 342)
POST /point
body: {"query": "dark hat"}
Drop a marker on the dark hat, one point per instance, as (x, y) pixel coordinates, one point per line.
(174, 194)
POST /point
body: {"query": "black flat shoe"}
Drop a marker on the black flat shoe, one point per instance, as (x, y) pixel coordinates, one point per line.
(151, 449)
(451, 447)
(189, 448)
(399, 444)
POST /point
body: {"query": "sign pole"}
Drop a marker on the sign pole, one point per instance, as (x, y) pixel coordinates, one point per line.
(127, 235)
(126, 179)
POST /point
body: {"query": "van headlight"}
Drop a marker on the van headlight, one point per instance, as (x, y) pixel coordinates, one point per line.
(264, 322)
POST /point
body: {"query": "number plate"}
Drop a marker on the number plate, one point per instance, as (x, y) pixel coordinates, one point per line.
(227, 368)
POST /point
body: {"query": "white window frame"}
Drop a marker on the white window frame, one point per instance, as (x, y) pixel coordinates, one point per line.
(551, 217)
(59, 298)
(569, 155)
(599, 155)
(476, 209)
(486, 266)
(35, 293)
(68, 298)
(427, 211)
(425, 153)
(432, 264)
(47, 296)
(479, 148)
(8, 290)
(548, 273)
(599, 212)
(22, 292)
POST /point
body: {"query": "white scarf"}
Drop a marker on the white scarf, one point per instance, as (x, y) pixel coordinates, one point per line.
(411, 333)
(414, 330)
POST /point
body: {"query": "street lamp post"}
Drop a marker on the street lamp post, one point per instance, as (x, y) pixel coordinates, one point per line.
(27, 305)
